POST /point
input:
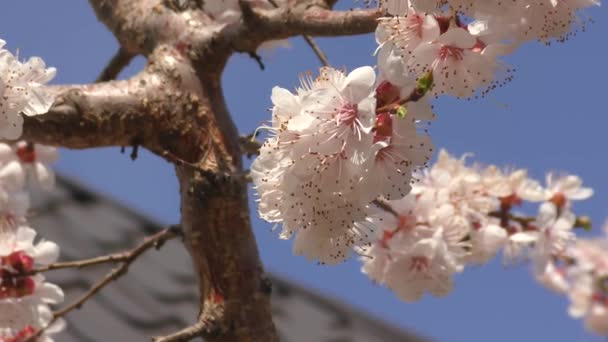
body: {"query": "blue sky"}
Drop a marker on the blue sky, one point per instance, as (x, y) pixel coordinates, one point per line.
(552, 116)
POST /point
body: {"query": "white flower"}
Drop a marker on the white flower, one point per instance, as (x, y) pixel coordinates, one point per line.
(43, 252)
(512, 187)
(308, 175)
(35, 160)
(563, 190)
(459, 67)
(21, 318)
(554, 278)
(486, 241)
(19, 255)
(22, 91)
(554, 233)
(425, 266)
(402, 35)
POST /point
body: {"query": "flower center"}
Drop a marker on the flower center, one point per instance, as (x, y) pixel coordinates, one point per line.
(452, 52)
(347, 114)
(27, 153)
(419, 264)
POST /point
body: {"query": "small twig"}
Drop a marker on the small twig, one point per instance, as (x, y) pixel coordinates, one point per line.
(247, 10)
(317, 50)
(105, 259)
(121, 59)
(258, 59)
(134, 152)
(199, 328)
(127, 258)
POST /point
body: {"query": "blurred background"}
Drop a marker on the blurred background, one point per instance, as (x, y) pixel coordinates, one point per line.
(551, 117)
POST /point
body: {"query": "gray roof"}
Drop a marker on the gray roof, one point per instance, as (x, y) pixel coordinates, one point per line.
(158, 295)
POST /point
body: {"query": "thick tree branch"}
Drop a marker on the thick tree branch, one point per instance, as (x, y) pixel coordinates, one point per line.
(153, 109)
(215, 218)
(128, 20)
(303, 19)
(103, 114)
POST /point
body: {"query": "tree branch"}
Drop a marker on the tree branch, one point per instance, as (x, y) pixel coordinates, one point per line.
(316, 21)
(217, 229)
(103, 114)
(317, 50)
(200, 328)
(157, 240)
(121, 59)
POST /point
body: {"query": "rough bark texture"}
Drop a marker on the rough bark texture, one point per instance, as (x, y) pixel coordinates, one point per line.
(176, 109)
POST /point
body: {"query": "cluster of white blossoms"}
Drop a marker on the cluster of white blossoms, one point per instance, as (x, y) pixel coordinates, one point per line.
(335, 147)
(581, 273)
(457, 215)
(461, 40)
(21, 91)
(342, 169)
(25, 296)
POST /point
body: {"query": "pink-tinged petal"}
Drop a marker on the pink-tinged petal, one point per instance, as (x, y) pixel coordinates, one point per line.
(50, 293)
(423, 57)
(580, 193)
(25, 235)
(496, 50)
(494, 237)
(359, 84)
(46, 252)
(430, 29)
(457, 37)
(57, 326)
(6, 151)
(547, 214)
(300, 122)
(39, 101)
(282, 97)
(46, 154)
(367, 114)
(421, 109)
(524, 238)
(12, 128)
(478, 27)
(45, 176)
(12, 176)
